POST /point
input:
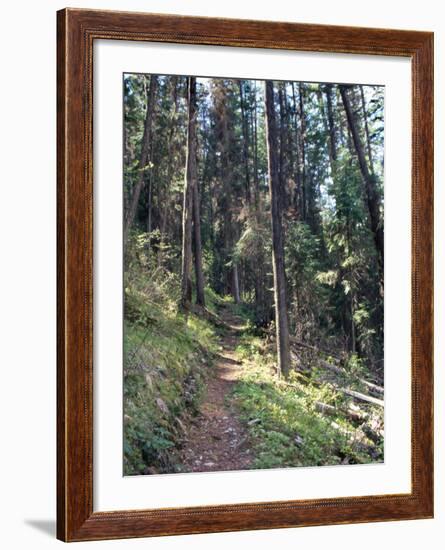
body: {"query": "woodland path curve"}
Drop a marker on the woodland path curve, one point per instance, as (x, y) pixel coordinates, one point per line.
(217, 441)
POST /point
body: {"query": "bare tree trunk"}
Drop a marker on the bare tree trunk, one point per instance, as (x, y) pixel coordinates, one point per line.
(223, 114)
(190, 176)
(332, 140)
(372, 198)
(321, 106)
(326, 126)
(258, 269)
(303, 153)
(145, 153)
(149, 208)
(235, 284)
(298, 194)
(165, 205)
(282, 323)
(149, 203)
(283, 158)
(192, 149)
(353, 331)
(245, 142)
(200, 299)
(255, 154)
(368, 140)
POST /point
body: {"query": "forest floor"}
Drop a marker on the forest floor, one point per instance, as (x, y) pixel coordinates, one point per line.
(217, 440)
(202, 394)
(250, 418)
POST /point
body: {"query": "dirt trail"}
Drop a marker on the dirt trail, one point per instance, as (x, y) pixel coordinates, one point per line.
(217, 440)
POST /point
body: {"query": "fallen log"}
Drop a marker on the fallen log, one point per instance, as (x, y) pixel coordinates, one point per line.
(330, 410)
(351, 393)
(373, 388)
(371, 434)
(361, 396)
(354, 416)
(315, 349)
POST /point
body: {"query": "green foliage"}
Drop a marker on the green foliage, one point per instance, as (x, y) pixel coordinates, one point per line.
(165, 366)
(255, 242)
(285, 425)
(355, 366)
(150, 289)
(333, 295)
(166, 360)
(310, 313)
(352, 266)
(213, 301)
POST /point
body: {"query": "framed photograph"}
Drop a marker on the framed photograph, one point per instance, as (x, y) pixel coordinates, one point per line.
(245, 229)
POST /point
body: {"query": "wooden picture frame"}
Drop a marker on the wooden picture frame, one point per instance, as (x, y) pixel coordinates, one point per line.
(76, 32)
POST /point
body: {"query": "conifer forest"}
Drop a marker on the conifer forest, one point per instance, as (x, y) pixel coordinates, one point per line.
(253, 274)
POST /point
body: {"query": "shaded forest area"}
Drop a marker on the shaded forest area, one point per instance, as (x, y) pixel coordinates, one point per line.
(253, 273)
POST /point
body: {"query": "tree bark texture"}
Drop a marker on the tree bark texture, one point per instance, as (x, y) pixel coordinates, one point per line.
(245, 142)
(368, 139)
(282, 323)
(187, 214)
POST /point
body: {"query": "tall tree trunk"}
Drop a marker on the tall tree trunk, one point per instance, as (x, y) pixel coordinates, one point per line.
(310, 191)
(255, 154)
(145, 155)
(149, 201)
(303, 153)
(245, 129)
(372, 197)
(261, 306)
(353, 333)
(200, 299)
(223, 112)
(235, 284)
(187, 214)
(165, 204)
(331, 124)
(193, 172)
(282, 323)
(327, 128)
(298, 194)
(149, 208)
(283, 162)
(368, 140)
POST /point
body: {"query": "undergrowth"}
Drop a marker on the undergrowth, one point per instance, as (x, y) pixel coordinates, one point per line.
(285, 424)
(167, 357)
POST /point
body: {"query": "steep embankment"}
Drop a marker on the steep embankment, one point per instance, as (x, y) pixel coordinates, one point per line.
(167, 360)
